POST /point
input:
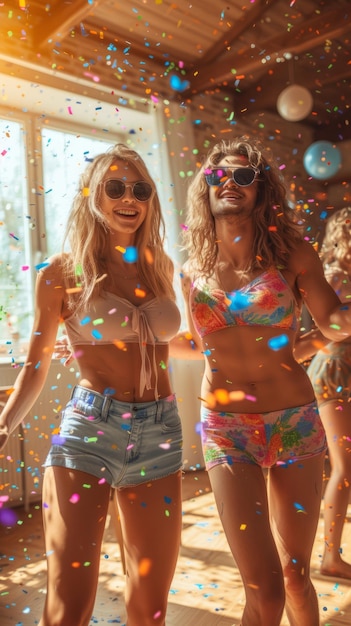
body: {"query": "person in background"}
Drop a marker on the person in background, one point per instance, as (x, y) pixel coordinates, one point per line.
(114, 292)
(330, 374)
(248, 271)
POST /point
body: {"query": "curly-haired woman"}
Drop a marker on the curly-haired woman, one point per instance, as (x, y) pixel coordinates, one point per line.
(330, 374)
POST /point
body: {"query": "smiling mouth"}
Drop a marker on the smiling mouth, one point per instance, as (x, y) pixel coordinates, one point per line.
(236, 196)
(127, 213)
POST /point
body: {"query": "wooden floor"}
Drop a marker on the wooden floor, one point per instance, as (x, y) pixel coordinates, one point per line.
(206, 589)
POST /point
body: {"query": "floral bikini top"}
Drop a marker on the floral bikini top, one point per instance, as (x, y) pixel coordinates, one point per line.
(266, 301)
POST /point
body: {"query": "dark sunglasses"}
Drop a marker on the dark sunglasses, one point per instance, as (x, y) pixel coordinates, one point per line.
(115, 188)
(242, 176)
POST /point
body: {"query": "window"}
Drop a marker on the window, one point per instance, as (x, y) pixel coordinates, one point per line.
(64, 156)
(16, 222)
(33, 215)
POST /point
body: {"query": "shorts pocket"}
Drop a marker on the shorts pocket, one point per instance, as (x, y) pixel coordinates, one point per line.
(79, 409)
(170, 420)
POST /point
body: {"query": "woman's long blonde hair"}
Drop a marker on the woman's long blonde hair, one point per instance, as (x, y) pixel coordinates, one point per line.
(276, 229)
(336, 246)
(87, 232)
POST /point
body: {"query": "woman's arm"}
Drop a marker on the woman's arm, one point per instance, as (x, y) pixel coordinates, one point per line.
(49, 295)
(331, 316)
(307, 344)
(187, 344)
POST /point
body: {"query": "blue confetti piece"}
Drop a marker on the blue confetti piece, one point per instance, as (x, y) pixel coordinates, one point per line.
(40, 266)
(177, 84)
(299, 507)
(276, 343)
(238, 301)
(84, 321)
(95, 333)
(130, 255)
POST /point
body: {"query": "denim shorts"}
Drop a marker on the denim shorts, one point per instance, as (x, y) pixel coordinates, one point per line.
(124, 443)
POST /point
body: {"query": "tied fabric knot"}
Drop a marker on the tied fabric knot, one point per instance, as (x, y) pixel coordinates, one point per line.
(141, 326)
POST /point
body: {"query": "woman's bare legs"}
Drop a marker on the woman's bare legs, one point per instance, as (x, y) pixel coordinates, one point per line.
(336, 418)
(241, 496)
(74, 514)
(151, 519)
(295, 497)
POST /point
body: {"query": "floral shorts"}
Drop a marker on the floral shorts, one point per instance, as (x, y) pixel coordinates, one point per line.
(265, 439)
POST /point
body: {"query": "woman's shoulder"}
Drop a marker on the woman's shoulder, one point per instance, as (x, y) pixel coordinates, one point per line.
(303, 255)
(54, 268)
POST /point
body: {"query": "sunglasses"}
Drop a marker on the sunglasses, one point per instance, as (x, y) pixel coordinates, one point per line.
(115, 188)
(242, 176)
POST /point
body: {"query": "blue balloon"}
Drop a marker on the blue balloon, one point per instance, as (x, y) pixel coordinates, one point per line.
(322, 160)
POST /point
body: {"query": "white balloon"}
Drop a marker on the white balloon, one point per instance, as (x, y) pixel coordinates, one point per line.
(294, 103)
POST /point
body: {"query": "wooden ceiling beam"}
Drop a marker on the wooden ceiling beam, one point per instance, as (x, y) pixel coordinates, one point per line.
(248, 19)
(332, 25)
(63, 18)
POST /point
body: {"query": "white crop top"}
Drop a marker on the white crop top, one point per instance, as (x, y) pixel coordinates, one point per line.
(111, 319)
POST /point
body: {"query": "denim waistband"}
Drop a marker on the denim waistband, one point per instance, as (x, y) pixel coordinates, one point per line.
(105, 403)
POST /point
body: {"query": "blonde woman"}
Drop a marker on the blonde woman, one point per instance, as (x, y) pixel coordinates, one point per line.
(248, 272)
(121, 428)
(330, 374)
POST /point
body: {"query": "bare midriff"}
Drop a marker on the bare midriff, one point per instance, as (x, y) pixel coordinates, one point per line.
(244, 374)
(116, 371)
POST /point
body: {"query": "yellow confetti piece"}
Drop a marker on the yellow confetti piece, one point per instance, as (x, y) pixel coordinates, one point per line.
(242, 526)
(236, 396)
(73, 289)
(222, 396)
(287, 367)
(144, 567)
(149, 256)
(86, 191)
(120, 249)
(120, 345)
(140, 293)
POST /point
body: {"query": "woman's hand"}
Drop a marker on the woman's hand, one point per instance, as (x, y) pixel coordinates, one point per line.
(62, 350)
(4, 435)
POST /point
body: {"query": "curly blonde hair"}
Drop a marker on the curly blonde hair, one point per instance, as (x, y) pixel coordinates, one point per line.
(336, 245)
(87, 229)
(276, 229)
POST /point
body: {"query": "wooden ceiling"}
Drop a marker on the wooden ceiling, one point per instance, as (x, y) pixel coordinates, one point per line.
(248, 49)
